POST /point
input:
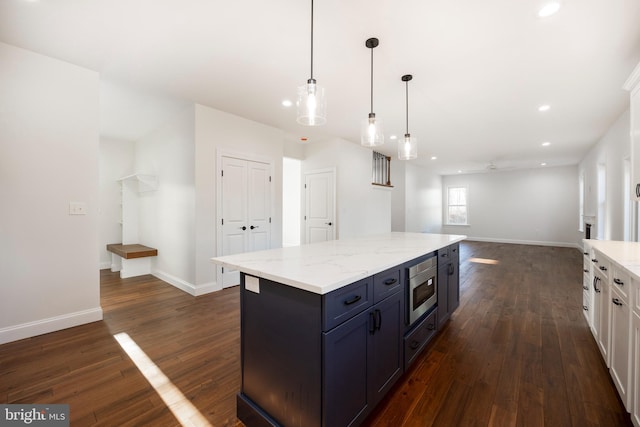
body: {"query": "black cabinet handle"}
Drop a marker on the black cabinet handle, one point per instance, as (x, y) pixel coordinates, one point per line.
(618, 282)
(586, 270)
(616, 301)
(378, 319)
(354, 299)
(603, 268)
(390, 282)
(254, 226)
(594, 260)
(586, 288)
(595, 284)
(585, 308)
(414, 344)
(585, 253)
(372, 323)
(451, 270)
(328, 223)
(637, 190)
(243, 228)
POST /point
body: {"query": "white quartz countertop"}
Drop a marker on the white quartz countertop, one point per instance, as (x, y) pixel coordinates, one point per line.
(625, 254)
(323, 267)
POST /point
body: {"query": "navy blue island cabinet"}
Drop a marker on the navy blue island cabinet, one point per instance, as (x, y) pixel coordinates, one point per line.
(326, 360)
(319, 360)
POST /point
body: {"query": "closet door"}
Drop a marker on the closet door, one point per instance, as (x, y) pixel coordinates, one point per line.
(246, 210)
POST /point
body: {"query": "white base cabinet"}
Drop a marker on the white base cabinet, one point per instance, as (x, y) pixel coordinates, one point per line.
(620, 338)
(635, 362)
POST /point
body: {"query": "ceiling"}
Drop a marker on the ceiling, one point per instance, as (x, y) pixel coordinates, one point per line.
(480, 69)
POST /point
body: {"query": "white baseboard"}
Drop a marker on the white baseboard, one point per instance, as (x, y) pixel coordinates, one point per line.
(525, 242)
(105, 265)
(185, 286)
(52, 324)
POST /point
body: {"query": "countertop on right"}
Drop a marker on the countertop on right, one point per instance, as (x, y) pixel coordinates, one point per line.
(624, 254)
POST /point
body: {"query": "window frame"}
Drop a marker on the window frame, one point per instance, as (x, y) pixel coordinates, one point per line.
(447, 205)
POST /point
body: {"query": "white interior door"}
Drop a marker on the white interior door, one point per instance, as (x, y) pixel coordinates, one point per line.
(259, 202)
(246, 210)
(319, 217)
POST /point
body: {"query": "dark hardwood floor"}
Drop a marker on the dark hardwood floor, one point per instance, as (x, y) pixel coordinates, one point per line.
(518, 351)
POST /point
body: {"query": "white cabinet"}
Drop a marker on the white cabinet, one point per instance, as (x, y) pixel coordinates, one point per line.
(620, 368)
(601, 291)
(635, 351)
(587, 291)
(633, 86)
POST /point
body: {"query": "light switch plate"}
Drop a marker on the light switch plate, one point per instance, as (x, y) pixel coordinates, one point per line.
(77, 208)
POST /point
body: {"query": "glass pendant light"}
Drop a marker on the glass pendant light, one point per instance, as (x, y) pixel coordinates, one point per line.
(407, 146)
(312, 105)
(371, 134)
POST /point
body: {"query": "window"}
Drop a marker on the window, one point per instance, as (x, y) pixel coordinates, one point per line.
(381, 170)
(457, 211)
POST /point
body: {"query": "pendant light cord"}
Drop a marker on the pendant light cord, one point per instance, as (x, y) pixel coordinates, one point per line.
(407, 99)
(311, 39)
(372, 80)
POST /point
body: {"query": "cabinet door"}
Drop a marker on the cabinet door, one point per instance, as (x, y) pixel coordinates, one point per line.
(635, 367)
(386, 360)
(443, 294)
(346, 348)
(604, 310)
(620, 328)
(635, 141)
(453, 287)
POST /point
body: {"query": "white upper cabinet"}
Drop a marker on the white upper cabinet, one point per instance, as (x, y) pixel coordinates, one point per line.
(633, 86)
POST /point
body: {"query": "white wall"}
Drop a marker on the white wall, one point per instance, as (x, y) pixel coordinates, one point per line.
(362, 209)
(48, 157)
(167, 216)
(610, 151)
(291, 201)
(216, 132)
(116, 160)
(398, 195)
(535, 206)
(423, 200)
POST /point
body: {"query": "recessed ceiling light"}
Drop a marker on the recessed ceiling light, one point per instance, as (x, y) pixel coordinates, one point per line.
(546, 144)
(434, 158)
(459, 171)
(544, 107)
(543, 164)
(392, 137)
(549, 9)
(287, 103)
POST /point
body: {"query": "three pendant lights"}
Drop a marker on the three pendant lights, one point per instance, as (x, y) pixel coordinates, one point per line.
(312, 109)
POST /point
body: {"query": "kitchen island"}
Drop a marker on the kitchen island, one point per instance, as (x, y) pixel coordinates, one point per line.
(324, 327)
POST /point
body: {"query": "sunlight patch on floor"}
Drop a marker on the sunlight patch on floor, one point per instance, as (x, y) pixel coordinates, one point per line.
(484, 261)
(180, 406)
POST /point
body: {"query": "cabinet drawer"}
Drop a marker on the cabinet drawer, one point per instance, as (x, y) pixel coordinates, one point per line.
(635, 300)
(454, 252)
(416, 340)
(346, 302)
(621, 282)
(601, 264)
(386, 283)
(444, 255)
